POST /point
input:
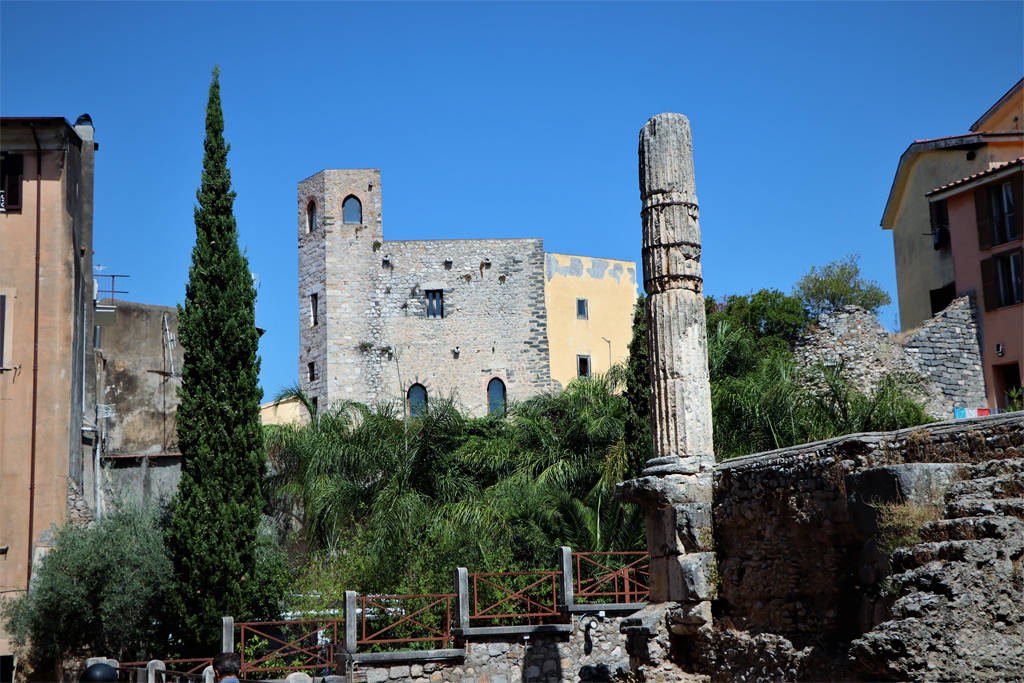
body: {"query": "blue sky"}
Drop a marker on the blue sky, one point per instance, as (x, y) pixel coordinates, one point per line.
(507, 120)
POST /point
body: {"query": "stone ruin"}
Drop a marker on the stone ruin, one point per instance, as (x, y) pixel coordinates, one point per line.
(772, 567)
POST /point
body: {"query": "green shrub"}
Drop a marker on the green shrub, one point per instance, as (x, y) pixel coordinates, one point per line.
(100, 590)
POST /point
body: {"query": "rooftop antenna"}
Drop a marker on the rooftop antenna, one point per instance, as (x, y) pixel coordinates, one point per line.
(256, 284)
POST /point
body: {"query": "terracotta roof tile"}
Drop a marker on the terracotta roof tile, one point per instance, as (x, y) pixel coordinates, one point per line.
(980, 174)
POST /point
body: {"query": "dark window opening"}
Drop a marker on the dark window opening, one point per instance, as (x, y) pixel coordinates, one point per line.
(311, 368)
(581, 309)
(435, 303)
(940, 224)
(583, 366)
(942, 297)
(313, 402)
(311, 217)
(1004, 224)
(1011, 382)
(352, 211)
(495, 396)
(417, 397)
(3, 329)
(314, 309)
(11, 174)
(1001, 280)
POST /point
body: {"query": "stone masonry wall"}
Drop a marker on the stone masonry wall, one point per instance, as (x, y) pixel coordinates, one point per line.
(946, 349)
(494, 313)
(801, 575)
(372, 306)
(945, 352)
(595, 655)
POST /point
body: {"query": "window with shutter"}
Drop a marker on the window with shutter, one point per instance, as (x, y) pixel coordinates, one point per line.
(988, 284)
(940, 224)
(1017, 192)
(435, 303)
(981, 213)
(11, 170)
(1008, 278)
(1004, 224)
(3, 330)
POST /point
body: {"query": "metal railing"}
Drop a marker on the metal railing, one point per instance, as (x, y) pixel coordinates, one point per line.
(300, 645)
(420, 621)
(171, 671)
(618, 578)
(506, 596)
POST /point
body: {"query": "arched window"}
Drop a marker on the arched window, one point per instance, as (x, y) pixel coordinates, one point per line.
(352, 211)
(311, 217)
(417, 396)
(495, 396)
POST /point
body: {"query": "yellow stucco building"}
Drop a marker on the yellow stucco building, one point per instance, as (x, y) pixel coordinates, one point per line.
(924, 261)
(589, 305)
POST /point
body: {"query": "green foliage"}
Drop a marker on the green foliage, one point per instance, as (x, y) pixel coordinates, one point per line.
(217, 511)
(773, 319)
(839, 284)
(384, 514)
(100, 590)
(636, 437)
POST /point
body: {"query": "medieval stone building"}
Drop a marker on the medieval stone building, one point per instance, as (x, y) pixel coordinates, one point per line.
(485, 320)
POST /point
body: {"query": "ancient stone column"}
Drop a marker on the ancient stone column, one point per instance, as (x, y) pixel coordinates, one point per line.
(676, 485)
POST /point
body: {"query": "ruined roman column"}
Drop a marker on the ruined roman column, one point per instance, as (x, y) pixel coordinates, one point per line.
(676, 485)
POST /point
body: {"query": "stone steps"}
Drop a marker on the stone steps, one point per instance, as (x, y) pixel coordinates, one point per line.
(971, 529)
(983, 507)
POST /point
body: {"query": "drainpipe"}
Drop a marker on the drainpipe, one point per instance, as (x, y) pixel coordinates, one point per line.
(35, 358)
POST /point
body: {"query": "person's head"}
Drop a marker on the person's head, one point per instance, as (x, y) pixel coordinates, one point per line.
(227, 664)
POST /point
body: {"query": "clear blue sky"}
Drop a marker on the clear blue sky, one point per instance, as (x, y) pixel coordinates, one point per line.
(507, 120)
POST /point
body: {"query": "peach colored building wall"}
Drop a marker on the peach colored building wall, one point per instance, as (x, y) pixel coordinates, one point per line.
(62, 449)
(997, 326)
(926, 165)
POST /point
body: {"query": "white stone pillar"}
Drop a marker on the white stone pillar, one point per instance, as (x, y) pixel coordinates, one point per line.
(676, 485)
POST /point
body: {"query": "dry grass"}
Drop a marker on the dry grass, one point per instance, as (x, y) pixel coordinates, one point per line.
(899, 524)
(902, 338)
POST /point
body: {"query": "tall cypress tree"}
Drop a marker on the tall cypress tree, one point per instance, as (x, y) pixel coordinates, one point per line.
(637, 429)
(217, 510)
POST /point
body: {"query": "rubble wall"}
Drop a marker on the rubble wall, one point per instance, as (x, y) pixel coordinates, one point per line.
(802, 576)
(595, 655)
(944, 351)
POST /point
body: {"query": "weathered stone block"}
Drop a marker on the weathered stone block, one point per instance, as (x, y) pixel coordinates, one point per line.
(659, 492)
(693, 525)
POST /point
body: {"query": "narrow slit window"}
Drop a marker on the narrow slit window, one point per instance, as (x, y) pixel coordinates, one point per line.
(581, 309)
(435, 303)
(417, 397)
(311, 369)
(352, 211)
(311, 217)
(583, 366)
(495, 396)
(314, 310)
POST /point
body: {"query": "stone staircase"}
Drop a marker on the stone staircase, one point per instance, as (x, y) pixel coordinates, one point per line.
(958, 612)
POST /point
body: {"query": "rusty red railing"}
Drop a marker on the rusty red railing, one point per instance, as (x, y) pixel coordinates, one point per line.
(290, 645)
(504, 596)
(611, 577)
(386, 621)
(196, 671)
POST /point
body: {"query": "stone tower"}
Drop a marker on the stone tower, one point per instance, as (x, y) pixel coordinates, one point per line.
(676, 486)
(338, 274)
